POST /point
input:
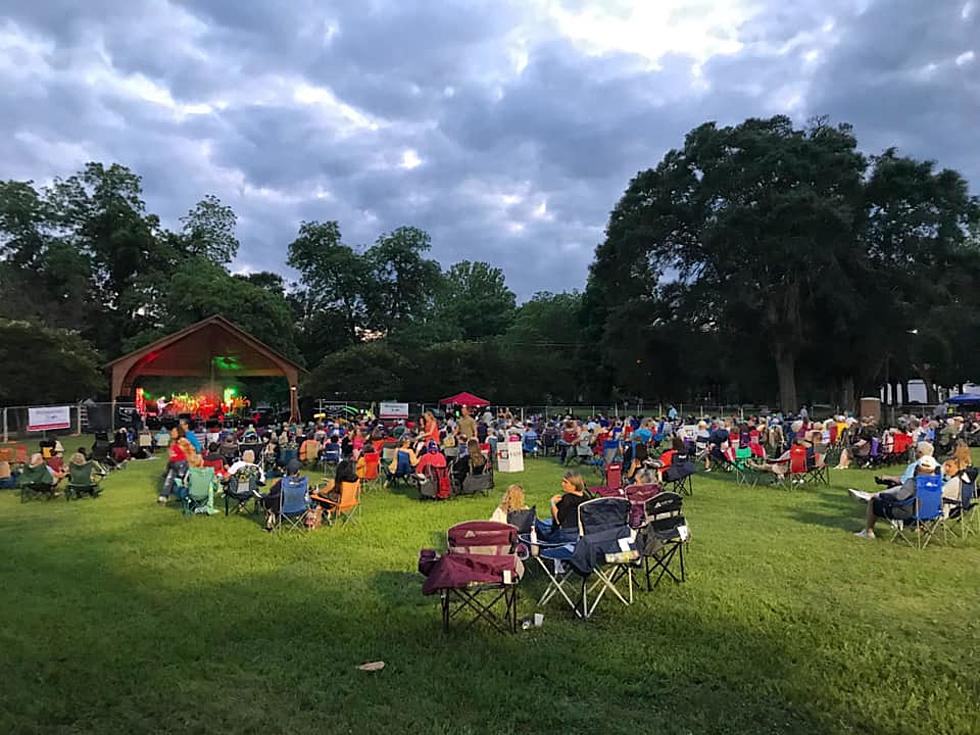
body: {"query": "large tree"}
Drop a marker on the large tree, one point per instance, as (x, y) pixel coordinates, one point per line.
(208, 230)
(754, 220)
(475, 302)
(333, 277)
(45, 365)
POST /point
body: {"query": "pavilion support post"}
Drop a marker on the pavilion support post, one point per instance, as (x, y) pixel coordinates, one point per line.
(293, 404)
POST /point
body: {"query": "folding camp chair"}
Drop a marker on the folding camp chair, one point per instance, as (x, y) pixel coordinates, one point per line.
(196, 490)
(403, 468)
(434, 484)
(530, 443)
(582, 455)
(606, 548)
(553, 551)
(241, 488)
(476, 483)
(32, 490)
(348, 508)
(612, 451)
(371, 470)
(35, 482)
(679, 477)
(796, 467)
(81, 481)
(388, 450)
(330, 456)
(479, 571)
(294, 502)
(614, 475)
(663, 537)
(963, 512)
(820, 471)
(927, 513)
(744, 473)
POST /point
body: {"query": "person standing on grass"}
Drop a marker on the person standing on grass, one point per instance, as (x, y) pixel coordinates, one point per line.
(888, 503)
(467, 425)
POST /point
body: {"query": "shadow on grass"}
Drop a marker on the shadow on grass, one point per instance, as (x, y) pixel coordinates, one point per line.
(198, 608)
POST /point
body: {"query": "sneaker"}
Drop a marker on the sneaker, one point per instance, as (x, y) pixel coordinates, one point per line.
(866, 534)
(859, 495)
(162, 499)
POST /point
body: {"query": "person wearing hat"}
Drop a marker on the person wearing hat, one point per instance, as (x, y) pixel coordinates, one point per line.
(432, 458)
(888, 503)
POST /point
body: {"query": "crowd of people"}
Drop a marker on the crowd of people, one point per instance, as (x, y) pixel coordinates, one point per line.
(447, 448)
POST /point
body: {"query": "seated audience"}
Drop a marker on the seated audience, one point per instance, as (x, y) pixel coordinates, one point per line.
(8, 477)
(38, 472)
(564, 507)
(887, 503)
(513, 500)
(922, 449)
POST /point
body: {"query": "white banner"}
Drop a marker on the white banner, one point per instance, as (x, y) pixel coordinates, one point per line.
(49, 417)
(393, 410)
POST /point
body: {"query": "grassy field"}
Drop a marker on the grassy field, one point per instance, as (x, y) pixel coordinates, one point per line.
(122, 616)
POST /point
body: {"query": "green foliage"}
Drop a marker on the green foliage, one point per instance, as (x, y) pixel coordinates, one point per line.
(776, 246)
(44, 365)
(403, 284)
(200, 288)
(475, 301)
(367, 371)
(208, 231)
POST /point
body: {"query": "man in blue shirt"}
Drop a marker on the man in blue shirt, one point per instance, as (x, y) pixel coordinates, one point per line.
(922, 449)
(191, 436)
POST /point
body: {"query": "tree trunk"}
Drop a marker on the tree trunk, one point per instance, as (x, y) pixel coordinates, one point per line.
(786, 370)
(848, 398)
(902, 392)
(932, 397)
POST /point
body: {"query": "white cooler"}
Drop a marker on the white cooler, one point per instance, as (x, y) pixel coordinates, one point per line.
(510, 455)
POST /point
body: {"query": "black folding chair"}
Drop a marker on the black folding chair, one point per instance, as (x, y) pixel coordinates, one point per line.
(606, 548)
(237, 498)
(663, 537)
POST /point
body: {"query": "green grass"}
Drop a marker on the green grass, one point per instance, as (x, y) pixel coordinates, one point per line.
(121, 616)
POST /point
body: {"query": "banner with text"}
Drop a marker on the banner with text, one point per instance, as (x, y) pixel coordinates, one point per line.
(48, 418)
(393, 410)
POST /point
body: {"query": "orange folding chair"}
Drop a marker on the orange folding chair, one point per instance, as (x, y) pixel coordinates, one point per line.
(368, 468)
(348, 508)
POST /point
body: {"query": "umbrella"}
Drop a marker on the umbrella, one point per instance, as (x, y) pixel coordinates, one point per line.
(464, 399)
(965, 398)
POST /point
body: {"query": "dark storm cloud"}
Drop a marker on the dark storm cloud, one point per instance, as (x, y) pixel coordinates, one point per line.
(523, 138)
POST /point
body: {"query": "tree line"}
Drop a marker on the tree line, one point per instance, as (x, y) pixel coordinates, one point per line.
(759, 262)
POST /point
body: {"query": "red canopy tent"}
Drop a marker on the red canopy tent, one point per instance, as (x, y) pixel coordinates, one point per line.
(464, 399)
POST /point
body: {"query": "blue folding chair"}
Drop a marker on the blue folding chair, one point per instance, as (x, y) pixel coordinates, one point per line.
(403, 468)
(330, 455)
(294, 502)
(927, 516)
(530, 443)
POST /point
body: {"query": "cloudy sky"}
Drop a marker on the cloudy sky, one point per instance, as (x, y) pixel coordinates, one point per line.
(506, 128)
